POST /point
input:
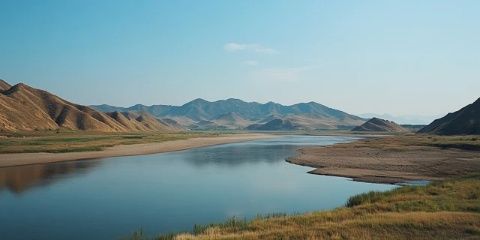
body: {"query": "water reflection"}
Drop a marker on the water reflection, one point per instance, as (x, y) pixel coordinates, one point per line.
(108, 199)
(243, 154)
(260, 151)
(22, 178)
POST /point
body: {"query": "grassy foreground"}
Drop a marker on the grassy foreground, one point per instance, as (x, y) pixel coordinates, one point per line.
(76, 141)
(441, 210)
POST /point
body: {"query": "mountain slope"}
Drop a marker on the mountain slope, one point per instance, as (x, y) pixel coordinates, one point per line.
(465, 121)
(380, 125)
(141, 121)
(25, 108)
(4, 85)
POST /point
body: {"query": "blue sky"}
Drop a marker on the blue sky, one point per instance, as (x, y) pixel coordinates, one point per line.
(396, 57)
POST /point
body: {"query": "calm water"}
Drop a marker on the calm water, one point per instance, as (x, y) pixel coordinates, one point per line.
(110, 198)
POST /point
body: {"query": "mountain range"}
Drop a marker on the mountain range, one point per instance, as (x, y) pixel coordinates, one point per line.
(23, 108)
(237, 114)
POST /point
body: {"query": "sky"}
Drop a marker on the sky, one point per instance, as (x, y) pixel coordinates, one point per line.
(404, 57)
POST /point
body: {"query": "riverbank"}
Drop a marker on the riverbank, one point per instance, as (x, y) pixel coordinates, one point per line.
(446, 209)
(17, 159)
(395, 159)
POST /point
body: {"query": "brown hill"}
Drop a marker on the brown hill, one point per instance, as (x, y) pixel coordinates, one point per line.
(465, 121)
(25, 108)
(141, 121)
(380, 125)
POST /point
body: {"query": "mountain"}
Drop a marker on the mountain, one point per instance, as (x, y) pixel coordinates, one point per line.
(380, 125)
(465, 121)
(237, 114)
(25, 108)
(403, 119)
(274, 125)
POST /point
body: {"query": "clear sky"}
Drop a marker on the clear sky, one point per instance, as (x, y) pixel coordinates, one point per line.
(396, 57)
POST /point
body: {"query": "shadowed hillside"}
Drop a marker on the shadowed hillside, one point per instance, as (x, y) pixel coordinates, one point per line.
(25, 108)
(465, 121)
(274, 125)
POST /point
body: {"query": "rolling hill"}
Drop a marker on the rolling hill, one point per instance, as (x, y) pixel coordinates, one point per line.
(237, 114)
(465, 121)
(27, 109)
(274, 125)
(380, 125)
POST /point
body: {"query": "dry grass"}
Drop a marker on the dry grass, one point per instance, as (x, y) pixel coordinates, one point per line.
(78, 141)
(442, 210)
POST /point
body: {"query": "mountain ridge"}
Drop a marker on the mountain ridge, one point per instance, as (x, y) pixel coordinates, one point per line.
(26, 108)
(465, 121)
(309, 115)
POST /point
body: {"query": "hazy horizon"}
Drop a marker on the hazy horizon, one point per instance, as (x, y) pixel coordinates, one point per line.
(398, 58)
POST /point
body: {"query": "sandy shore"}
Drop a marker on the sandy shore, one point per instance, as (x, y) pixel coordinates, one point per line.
(388, 160)
(17, 159)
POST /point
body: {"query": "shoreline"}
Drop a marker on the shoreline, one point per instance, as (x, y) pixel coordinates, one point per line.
(389, 160)
(21, 159)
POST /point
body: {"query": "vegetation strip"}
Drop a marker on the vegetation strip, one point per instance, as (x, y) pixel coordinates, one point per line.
(107, 147)
(448, 209)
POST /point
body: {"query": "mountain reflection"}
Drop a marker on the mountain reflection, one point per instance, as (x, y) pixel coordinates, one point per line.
(22, 178)
(243, 154)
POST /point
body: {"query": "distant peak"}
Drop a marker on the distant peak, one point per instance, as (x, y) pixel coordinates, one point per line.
(234, 100)
(199, 100)
(18, 87)
(21, 86)
(376, 119)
